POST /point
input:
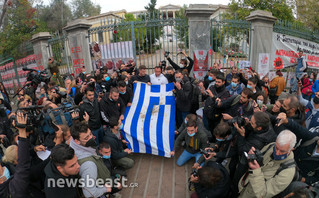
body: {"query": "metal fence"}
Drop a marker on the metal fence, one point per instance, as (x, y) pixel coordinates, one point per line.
(296, 29)
(59, 50)
(230, 41)
(143, 39)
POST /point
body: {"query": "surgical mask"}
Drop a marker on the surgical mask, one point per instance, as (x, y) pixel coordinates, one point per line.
(310, 80)
(249, 87)
(121, 127)
(191, 135)
(123, 92)
(83, 72)
(178, 80)
(17, 142)
(106, 156)
(91, 143)
(107, 78)
(233, 84)
(181, 66)
(126, 82)
(210, 78)
(111, 99)
(279, 157)
(6, 173)
(220, 140)
(260, 102)
(316, 100)
(185, 121)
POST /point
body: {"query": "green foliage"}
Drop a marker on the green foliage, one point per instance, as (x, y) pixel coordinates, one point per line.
(84, 8)
(55, 16)
(280, 8)
(21, 25)
(307, 12)
(181, 26)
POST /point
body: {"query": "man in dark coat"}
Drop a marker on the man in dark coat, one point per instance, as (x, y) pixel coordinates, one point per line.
(64, 167)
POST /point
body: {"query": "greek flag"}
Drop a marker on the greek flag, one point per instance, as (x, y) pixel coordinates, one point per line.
(149, 123)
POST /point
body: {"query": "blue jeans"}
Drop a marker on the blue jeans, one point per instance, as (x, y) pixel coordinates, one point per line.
(185, 156)
(99, 135)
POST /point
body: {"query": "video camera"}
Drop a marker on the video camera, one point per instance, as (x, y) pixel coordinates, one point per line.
(36, 76)
(258, 156)
(239, 120)
(204, 152)
(63, 94)
(35, 115)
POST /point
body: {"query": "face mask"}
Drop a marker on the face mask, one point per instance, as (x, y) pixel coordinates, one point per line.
(91, 143)
(121, 127)
(6, 173)
(283, 110)
(123, 92)
(178, 80)
(106, 156)
(260, 102)
(185, 121)
(111, 99)
(310, 80)
(181, 66)
(107, 78)
(233, 84)
(126, 82)
(83, 72)
(17, 142)
(210, 78)
(191, 135)
(316, 100)
(249, 87)
(279, 157)
(220, 140)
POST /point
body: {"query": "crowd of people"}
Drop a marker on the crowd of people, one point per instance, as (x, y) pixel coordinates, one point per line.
(250, 136)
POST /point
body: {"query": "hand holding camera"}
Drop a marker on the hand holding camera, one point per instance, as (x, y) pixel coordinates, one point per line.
(281, 119)
(208, 153)
(255, 158)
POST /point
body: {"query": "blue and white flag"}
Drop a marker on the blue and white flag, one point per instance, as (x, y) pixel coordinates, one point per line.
(149, 123)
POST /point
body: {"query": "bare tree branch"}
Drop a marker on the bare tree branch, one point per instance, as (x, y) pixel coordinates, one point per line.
(4, 10)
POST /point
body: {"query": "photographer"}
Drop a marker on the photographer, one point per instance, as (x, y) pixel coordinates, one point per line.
(182, 63)
(53, 65)
(211, 181)
(54, 95)
(273, 174)
(17, 184)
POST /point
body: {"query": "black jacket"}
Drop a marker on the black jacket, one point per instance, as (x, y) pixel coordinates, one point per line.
(176, 67)
(184, 95)
(144, 79)
(307, 164)
(219, 190)
(233, 107)
(110, 108)
(116, 145)
(93, 109)
(78, 96)
(106, 85)
(210, 106)
(127, 97)
(257, 139)
(52, 173)
(298, 118)
(18, 183)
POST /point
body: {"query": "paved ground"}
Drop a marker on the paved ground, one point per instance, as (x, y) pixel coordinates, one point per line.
(158, 177)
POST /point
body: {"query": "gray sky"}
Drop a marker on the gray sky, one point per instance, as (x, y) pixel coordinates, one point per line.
(135, 5)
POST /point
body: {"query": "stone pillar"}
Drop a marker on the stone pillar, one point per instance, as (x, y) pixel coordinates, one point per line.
(199, 36)
(40, 48)
(261, 34)
(77, 33)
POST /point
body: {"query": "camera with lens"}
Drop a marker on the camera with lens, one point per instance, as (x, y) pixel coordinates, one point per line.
(36, 76)
(68, 107)
(63, 94)
(103, 87)
(35, 115)
(166, 54)
(239, 120)
(206, 153)
(194, 172)
(258, 156)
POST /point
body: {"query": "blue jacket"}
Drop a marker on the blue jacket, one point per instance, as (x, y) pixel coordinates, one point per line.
(236, 91)
(315, 88)
(315, 118)
(47, 128)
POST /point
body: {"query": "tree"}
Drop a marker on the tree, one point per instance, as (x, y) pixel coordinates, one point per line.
(282, 9)
(84, 8)
(181, 26)
(307, 12)
(21, 25)
(55, 16)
